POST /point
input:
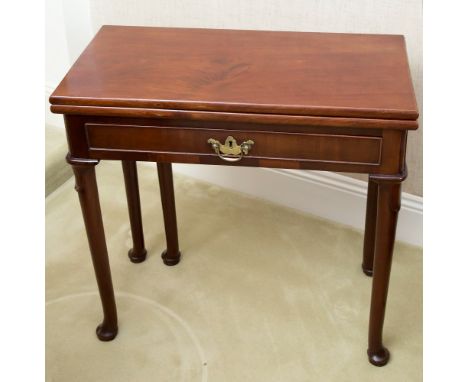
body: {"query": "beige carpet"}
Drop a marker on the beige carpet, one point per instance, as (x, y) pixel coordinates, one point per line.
(262, 293)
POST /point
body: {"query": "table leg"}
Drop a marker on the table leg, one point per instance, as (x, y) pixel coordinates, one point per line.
(388, 205)
(138, 253)
(171, 255)
(86, 186)
(369, 233)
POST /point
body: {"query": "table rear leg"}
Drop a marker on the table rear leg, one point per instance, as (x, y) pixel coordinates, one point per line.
(171, 255)
(86, 186)
(137, 254)
(369, 233)
(388, 205)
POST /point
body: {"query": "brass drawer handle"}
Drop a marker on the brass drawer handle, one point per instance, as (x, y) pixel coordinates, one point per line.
(231, 151)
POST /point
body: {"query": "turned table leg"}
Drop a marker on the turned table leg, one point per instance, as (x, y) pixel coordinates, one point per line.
(86, 186)
(171, 255)
(388, 205)
(369, 233)
(138, 253)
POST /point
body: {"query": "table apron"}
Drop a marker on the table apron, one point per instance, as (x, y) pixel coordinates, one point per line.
(343, 150)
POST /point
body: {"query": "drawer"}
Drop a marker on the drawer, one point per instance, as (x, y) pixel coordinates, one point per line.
(266, 145)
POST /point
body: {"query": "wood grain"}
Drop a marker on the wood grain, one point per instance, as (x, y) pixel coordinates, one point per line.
(224, 117)
(171, 255)
(297, 73)
(354, 149)
(86, 186)
(137, 253)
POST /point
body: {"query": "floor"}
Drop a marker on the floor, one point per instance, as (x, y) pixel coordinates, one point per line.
(262, 293)
(56, 169)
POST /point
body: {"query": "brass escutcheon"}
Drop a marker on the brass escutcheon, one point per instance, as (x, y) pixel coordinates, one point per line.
(231, 151)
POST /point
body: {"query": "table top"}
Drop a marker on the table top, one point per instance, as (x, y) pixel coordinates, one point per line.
(239, 71)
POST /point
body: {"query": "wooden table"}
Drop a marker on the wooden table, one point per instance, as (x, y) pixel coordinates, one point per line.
(315, 101)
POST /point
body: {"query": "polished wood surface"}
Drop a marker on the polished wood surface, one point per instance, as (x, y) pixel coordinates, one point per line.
(369, 232)
(226, 117)
(377, 151)
(86, 186)
(352, 149)
(137, 254)
(171, 256)
(295, 73)
(316, 101)
(388, 205)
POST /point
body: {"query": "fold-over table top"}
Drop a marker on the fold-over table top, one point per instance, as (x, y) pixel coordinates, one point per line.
(237, 71)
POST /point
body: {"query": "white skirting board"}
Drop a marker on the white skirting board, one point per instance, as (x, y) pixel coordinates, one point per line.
(328, 195)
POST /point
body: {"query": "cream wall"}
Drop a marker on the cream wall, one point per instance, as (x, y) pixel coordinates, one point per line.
(359, 16)
(56, 49)
(67, 32)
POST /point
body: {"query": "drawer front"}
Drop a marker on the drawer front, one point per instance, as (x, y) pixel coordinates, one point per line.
(190, 142)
